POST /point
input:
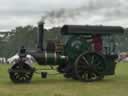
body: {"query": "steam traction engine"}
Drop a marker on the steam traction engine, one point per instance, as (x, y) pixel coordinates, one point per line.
(88, 54)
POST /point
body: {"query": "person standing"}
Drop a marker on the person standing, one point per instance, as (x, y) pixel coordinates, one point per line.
(97, 43)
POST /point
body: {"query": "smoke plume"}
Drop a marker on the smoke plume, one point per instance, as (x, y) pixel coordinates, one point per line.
(91, 11)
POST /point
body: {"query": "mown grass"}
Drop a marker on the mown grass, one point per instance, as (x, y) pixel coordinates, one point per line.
(116, 85)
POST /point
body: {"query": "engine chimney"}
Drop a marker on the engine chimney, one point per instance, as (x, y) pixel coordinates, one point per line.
(40, 35)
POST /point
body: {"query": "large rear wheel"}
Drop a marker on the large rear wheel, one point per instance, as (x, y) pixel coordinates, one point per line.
(89, 67)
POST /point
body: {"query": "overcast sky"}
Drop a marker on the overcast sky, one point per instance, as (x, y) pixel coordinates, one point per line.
(58, 12)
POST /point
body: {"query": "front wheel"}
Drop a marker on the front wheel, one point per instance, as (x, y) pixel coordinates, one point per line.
(21, 73)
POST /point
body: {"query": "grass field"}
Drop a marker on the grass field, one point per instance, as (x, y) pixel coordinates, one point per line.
(116, 85)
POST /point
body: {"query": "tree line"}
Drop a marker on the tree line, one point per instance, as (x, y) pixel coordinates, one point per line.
(27, 36)
(23, 36)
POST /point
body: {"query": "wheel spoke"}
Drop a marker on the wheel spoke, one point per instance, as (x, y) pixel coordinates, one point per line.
(85, 60)
(94, 76)
(92, 60)
(84, 76)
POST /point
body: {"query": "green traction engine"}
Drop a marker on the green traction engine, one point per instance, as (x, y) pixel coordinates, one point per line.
(85, 53)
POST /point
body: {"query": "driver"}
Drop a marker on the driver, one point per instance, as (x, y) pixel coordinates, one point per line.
(97, 43)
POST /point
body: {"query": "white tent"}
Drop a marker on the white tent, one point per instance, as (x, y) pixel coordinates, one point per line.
(13, 59)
